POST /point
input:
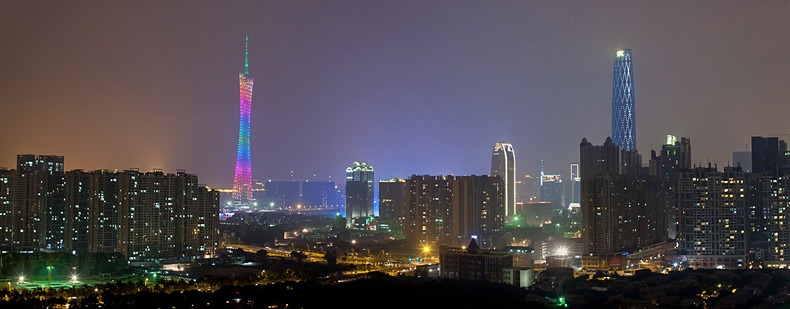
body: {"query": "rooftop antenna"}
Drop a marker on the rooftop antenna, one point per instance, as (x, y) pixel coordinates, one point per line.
(246, 55)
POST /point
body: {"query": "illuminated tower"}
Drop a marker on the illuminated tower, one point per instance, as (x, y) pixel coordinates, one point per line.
(623, 113)
(242, 180)
(503, 164)
(359, 192)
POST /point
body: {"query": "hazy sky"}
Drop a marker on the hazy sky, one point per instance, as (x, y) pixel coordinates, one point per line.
(412, 87)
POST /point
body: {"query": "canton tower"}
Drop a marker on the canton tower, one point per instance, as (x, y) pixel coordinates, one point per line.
(242, 180)
(623, 113)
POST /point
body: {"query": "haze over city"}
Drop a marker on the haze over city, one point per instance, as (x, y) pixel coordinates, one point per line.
(408, 86)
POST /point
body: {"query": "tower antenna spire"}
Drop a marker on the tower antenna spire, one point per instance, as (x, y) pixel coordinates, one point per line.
(247, 55)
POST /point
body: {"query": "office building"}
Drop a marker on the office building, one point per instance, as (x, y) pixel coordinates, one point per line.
(392, 202)
(318, 194)
(575, 184)
(742, 159)
(623, 112)
(503, 164)
(359, 192)
(551, 190)
(475, 264)
(282, 194)
(770, 155)
(295, 195)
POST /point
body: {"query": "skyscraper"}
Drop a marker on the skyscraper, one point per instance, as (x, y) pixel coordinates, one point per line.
(52, 179)
(622, 211)
(450, 210)
(359, 192)
(242, 180)
(675, 157)
(623, 113)
(392, 202)
(503, 164)
(770, 155)
(575, 184)
(712, 223)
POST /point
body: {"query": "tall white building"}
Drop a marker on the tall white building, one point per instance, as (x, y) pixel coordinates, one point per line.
(503, 164)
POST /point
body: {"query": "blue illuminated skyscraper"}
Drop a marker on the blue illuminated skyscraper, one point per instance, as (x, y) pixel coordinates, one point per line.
(623, 113)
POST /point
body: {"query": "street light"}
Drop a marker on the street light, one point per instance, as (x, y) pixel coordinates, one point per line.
(427, 251)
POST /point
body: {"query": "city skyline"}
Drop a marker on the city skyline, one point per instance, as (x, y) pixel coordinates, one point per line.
(116, 91)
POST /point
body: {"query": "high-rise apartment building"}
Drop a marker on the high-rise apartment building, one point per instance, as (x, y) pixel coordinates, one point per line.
(503, 164)
(623, 112)
(149, 217)
(166, 217)
(359, 192)
(450, 210)
(51, 170)
(105, 211)
(712, 229)
(21, 227)
(675, 157)
(622, 209)
(78, 210)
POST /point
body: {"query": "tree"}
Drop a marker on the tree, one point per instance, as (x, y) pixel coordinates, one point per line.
(298, 255)
(261, 256)
(331, 257)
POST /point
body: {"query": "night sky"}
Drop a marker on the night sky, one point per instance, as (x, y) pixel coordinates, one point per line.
(412, 87)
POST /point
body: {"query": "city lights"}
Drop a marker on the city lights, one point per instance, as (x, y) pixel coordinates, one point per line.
(242, 180)
(141, 98)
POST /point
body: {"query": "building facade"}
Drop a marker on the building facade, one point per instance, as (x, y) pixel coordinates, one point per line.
(449, 210)
(472, 263)
(51, 171)
(359, 192)
(623, 112)
(148, 217)
(392, 202)
(623, 208)
(712, 230)
(503, 164)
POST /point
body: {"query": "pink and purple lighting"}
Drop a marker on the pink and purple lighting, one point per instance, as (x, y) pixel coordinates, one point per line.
(242, 180)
